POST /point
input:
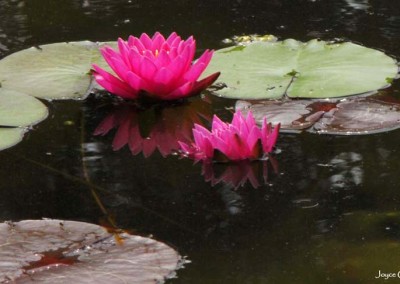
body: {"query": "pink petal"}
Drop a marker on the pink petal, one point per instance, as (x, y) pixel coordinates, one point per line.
(218, 124)
(181, 92)
(253, 137)
(250, 121)
(146, 41)
(163, 59)
(203, 143)
(147, 69)
(176, 66)
(199, 66)
(201, 129)
(135, 58)
(237, 119)
(134, 42)
(187, 55)
(135, 82)
(119, 67)
(268, 137)
(195, 71)
(124, 50)
(204, 84)
(158, 40)
(164, 76)
(113, 84)
(173, 37)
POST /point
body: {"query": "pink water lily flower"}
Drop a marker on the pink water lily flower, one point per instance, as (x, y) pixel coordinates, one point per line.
(156, 67)
(242, 139)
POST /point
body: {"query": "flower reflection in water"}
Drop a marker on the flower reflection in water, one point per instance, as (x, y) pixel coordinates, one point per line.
(237, 174)
(157, 127)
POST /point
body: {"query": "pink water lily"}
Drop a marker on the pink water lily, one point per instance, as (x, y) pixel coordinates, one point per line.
(156, 67)
(242, 139)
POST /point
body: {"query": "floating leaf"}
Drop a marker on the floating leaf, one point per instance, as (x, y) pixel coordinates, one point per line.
(353, 116)
(316, 69)
(293, 115)
(52, 71)
(54, 251)
(360, 116)
(10, 137)
(18, 111)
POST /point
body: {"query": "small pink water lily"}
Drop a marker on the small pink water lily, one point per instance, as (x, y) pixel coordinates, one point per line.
(240, 140)
(156, 67)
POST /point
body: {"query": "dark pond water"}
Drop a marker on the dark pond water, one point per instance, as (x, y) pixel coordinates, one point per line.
(329, 209)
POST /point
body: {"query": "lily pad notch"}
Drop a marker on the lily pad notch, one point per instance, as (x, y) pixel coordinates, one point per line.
(315, 69)
(18, 112)
(52, 71)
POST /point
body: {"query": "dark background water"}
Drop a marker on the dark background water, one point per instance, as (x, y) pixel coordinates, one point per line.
(328, 214)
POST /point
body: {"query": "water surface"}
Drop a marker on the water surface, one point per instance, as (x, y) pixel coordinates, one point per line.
(328, 211)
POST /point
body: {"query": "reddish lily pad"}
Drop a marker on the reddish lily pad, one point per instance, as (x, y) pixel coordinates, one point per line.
(293, 115)
(361, 116)
(352, 116)
(54, 251)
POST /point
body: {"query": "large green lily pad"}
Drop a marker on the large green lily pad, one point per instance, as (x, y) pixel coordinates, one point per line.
(316, 69)
(18, 111)
(52, 71)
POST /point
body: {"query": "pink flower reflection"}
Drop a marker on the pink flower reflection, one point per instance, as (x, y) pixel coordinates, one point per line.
(155, 67)
(153, 128)
(237, 174)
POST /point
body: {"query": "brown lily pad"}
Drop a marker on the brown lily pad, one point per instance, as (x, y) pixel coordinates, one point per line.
(352, 116)
(54, 251)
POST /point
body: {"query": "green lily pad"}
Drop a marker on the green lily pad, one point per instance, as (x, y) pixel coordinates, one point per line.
(316, 69)
(17, 112)
(52, 71)
(10, 137)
